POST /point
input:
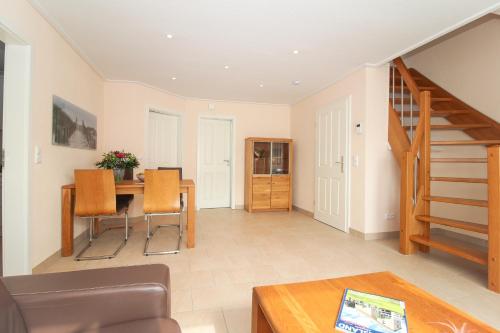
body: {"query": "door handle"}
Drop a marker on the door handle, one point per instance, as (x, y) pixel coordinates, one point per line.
(227, 162)
(341, 164)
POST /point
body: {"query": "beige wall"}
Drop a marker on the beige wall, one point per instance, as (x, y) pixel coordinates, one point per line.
(375, 182)
(466, 63)
(56, 70)
(126, 106)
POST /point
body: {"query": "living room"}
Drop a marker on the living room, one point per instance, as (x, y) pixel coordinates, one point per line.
(289, 96)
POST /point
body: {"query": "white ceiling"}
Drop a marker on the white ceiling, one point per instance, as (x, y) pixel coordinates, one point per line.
(126, 40)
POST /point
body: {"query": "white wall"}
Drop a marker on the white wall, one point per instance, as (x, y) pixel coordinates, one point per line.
(56, 69)
(375, 182)
(126, 106)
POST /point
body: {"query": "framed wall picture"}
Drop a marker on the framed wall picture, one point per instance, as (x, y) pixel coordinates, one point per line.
(72, 126)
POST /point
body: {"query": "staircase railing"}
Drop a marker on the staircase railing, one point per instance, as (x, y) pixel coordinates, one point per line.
(412, 150)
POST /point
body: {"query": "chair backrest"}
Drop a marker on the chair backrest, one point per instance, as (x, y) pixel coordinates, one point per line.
(11, 318)
(95, 192)
(172, 168)
(161, 191)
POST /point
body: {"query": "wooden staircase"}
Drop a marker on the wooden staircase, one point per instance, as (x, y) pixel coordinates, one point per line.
(415, 101)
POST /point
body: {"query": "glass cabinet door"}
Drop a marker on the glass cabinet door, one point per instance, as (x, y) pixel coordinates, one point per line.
(262, 158)
(280, 158)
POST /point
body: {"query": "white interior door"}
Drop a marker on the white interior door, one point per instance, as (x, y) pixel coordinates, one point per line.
(163, 140)
(215, 163)
(331, 177)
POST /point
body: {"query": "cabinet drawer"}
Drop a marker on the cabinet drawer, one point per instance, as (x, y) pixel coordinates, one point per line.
(261, 184)
(280, 183)
(279, 199)
(261, 200)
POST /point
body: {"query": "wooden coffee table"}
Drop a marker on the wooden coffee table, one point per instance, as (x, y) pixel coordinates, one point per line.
(313, 306)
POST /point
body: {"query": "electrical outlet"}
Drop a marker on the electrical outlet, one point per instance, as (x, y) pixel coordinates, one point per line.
(390, 216)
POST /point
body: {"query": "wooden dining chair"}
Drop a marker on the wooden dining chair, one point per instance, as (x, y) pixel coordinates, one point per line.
(96, 198)
(161, 198)
(180, 178)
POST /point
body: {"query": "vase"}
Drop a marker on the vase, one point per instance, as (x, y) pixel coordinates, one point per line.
(119, 174)
(129, 174)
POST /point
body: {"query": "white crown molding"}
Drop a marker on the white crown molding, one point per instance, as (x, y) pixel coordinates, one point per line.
(190, 98)
(57, 27)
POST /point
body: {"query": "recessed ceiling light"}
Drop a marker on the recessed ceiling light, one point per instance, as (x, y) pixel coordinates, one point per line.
(226, 67)
(296, 82)
(174, 78)
(261, 85)
(295, 51)
(170, 36)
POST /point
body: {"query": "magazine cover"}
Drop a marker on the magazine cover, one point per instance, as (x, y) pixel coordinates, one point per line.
(368, 313)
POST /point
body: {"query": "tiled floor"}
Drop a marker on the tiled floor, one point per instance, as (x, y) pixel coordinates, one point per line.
(211, 284)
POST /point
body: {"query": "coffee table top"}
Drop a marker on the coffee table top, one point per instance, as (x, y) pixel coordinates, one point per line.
(314, 306)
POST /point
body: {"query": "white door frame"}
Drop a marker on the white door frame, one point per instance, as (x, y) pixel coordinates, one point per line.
(16, 209)
(179, 134)
(232, 121)
(347, 160)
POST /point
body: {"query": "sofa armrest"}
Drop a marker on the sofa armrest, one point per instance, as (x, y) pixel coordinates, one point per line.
(82, 300)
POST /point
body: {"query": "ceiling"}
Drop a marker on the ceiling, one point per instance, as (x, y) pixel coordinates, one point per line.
(127, 40)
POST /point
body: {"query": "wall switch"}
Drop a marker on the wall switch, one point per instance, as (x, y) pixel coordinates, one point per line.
(390, 216)
(355, 161)
(359, 128)
(38, 155)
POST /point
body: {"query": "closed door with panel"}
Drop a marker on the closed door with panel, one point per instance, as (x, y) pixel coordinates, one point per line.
(215, 163)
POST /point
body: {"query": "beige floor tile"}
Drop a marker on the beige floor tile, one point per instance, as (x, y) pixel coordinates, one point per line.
(236, 251)
(201, 322)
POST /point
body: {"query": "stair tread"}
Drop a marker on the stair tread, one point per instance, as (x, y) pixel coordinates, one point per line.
(470, 226)
(460, 180)
(458, 201)
(463, 251)
(434, 113)
(464, 142)
(459, 160)
(454, 126)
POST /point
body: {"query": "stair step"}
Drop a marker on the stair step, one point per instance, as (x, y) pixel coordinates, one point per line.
(459, 160)
(434, 113)
(471, 254)
(474, 227)
(407, 100)
(460, 180)
(397, 87)
(458, 201)
(454, 126)
(465, 142)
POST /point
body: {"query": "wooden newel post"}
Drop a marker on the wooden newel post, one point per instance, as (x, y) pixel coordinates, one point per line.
(406, 204)
(494, 218)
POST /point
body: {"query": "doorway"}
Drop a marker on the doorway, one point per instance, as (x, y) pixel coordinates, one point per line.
(2, 66)
(332, 167)
(164, 139)
(215, 162)
(16, 256)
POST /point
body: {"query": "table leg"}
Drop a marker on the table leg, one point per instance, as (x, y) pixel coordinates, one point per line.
(191, 217)
(259, 321)
(66, 223)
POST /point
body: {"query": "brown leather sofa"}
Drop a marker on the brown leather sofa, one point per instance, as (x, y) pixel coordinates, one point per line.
(122, 299)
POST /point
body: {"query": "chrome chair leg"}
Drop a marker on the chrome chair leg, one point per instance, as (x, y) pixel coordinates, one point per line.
(81, 257)
(151, 234)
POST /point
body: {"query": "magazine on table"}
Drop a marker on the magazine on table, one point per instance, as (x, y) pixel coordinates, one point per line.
(367, 313)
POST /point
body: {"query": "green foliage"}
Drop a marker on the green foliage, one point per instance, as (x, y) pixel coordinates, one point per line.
(118, 160)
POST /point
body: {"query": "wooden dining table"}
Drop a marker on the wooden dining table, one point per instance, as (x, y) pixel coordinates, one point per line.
(125, 187)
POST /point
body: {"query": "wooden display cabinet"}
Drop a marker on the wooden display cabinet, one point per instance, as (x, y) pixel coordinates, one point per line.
(268, 174)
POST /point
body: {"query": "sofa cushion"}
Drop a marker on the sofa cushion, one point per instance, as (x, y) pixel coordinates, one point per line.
(11, 319)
